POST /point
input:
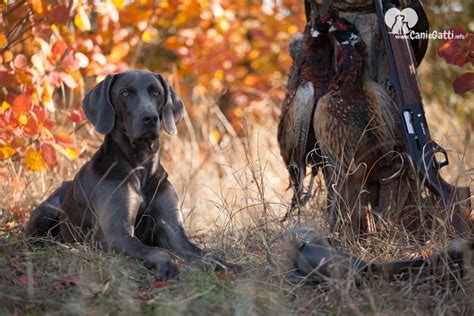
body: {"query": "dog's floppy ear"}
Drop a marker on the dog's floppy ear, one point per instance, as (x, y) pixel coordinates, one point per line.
(98, 107)
(173, 109)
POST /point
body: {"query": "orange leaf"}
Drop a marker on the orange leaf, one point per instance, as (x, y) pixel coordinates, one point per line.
(49, 155)
(3, 41)
(21, 105)
(58, 50)
(63, 138)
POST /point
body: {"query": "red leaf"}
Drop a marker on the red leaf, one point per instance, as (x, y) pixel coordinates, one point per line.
(21, 105)
(77, 116)
(7, 80)
(25, 280)
(227, 274)
(49, 123)
(161, 284)
(464, 83)
(456, 51)
(60, 14)
(49, 155)
(63, 138)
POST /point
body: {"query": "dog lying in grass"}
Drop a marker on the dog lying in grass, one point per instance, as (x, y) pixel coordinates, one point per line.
(121, 198)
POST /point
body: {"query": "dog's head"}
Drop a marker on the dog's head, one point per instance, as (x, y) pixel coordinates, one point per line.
(135, 102)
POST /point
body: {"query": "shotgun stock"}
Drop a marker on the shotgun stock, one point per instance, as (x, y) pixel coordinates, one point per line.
(427, 156)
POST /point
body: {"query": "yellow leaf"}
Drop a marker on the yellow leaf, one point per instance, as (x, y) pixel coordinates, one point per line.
(6, 152)
(34, 161)
(149, 35)
(119, 52)
(81, 20)
(119, 4)
(219, 74)
(71, 153)
(216, 136)
(5, 106)
(37, 6)
(253, 54)
(23, 119)
(3, 41)
(292, 29)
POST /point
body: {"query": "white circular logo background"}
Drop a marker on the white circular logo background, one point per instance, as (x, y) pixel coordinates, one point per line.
(400, 22)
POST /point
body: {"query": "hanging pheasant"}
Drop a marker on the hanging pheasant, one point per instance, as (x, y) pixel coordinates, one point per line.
(356, 125)
(309, 78)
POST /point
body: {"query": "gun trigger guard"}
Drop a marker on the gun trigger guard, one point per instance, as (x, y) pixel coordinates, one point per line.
(437, 163)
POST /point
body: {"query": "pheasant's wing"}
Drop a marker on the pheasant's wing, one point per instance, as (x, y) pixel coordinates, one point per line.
(385, 122)
(294, 125)
(339, 129)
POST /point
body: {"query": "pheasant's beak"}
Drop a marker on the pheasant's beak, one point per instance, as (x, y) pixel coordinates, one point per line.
(332, 29)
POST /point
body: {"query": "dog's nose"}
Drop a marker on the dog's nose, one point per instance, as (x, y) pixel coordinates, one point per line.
(150, 119)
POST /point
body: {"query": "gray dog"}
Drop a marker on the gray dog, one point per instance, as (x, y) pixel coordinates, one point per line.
(121, 198)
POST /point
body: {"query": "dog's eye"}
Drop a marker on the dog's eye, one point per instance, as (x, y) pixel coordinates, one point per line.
(125, 93)
(156, 93)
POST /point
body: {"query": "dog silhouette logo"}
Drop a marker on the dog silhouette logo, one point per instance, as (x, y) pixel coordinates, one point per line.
(401, 22)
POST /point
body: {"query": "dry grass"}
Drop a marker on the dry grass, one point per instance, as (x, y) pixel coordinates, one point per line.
(233, 196)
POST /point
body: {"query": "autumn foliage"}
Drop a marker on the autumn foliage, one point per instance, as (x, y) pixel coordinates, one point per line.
(51, 52)
(460, 52)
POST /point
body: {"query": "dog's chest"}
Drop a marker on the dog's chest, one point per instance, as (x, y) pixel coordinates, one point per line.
(149, 188)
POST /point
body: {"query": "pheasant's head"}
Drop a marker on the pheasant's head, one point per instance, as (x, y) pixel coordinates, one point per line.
(322, 25)
(345, 32)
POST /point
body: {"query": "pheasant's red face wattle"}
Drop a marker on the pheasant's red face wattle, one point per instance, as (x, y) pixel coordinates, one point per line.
(325, 19)
(341, 26)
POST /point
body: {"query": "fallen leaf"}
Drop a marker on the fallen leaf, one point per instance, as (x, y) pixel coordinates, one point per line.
(26, 280)
(161, 284)
(227, 274)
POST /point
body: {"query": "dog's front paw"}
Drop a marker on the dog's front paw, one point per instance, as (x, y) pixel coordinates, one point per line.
(162, 266)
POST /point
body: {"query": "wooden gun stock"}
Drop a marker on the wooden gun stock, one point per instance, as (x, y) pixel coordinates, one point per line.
(421, 148)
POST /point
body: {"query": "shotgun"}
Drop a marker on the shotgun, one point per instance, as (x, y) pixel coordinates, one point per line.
(427, 156)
